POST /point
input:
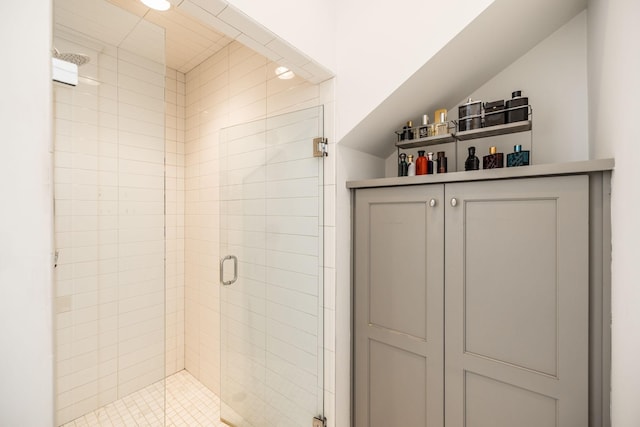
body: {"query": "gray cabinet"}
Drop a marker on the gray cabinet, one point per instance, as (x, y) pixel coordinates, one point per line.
(516, 298)
(471, 304)
(399, 328)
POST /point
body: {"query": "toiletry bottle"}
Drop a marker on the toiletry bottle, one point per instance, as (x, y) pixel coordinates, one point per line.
(423, 131)
(517, 107)
(411, 167)
(472, 163)
(440, 115)
(421, 164)
(429, 163)
(518, 157)
(402, 165)
(442, 126)
(442, 162)
(408, 130)
(493, 160)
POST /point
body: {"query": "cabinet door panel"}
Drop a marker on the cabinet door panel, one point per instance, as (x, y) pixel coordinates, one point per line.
(398, 313)
(397, 275)
(517, 301)
(397, 392)
(511, 306)
(492, 403)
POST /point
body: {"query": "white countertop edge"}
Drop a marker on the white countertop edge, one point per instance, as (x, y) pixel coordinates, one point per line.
(585, 166)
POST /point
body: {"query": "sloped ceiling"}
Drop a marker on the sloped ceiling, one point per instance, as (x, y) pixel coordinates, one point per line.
(506, 30)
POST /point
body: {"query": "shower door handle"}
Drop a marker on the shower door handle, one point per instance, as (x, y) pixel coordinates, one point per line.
(235, 270)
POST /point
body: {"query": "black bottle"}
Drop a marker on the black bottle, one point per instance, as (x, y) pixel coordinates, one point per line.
(442, 162)
(472, 163)
(429, 163)
(403, 166)
(407, 131)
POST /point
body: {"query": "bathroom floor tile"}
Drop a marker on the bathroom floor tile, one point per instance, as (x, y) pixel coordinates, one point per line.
(188, 403)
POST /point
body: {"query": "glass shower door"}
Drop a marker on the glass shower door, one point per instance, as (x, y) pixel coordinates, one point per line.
(271, 250)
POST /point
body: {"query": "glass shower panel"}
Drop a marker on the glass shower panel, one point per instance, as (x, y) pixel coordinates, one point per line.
(109, 214)
(271, 220)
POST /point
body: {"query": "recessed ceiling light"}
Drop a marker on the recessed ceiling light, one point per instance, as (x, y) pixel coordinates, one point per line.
(161, 5)
(284, 73)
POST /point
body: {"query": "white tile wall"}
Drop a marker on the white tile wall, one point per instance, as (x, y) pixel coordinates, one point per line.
(109, 178)
(174, 219)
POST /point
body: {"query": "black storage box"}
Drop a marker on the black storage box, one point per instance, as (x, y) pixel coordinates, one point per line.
(468, 123)
(494, 113)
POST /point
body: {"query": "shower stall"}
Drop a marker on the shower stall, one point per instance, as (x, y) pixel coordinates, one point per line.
(159, 175)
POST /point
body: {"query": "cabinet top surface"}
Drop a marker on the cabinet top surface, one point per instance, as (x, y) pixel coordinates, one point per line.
(490, 174)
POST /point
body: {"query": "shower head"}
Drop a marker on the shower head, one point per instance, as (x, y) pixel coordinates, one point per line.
(75, 58)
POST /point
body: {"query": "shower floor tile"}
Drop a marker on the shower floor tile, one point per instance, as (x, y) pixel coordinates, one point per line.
(189, 403)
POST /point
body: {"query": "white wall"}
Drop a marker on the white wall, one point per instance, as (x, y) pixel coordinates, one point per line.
(554, 76)
(614, 88)
(373, 48)
(26, 368)
(380, 45)
(307, 24)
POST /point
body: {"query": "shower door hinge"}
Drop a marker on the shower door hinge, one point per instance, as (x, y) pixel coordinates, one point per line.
(319, 421)
(320, 147)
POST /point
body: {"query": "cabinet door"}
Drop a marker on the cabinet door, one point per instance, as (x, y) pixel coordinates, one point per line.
(516, 303)
(398, 310)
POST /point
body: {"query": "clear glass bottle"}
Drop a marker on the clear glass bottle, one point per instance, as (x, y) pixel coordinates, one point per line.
(440, 115)
(493, 160)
